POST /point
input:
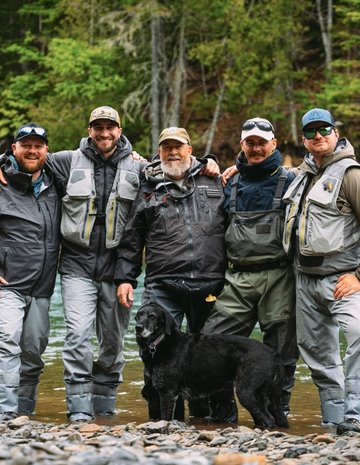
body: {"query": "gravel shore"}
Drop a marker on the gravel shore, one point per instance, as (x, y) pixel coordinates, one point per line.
(26, 442)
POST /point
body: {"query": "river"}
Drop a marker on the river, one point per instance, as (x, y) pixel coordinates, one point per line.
(51, 407)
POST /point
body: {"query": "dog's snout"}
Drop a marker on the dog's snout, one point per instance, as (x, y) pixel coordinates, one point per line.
(138, 328)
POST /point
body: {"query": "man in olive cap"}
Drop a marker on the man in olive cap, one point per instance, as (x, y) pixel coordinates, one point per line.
(323, 229)
(29, 245)
(178, 217)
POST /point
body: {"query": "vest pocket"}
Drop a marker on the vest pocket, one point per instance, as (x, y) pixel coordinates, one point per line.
(128, 185)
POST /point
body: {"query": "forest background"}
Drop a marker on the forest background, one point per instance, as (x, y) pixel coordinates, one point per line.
(206, 65)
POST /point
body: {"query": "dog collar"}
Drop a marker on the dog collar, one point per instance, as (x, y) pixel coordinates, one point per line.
(153, 345)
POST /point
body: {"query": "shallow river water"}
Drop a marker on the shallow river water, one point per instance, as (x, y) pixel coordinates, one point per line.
(305, 412)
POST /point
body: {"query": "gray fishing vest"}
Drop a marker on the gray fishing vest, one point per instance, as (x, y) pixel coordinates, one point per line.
(255, 237)
(79, 210)
(322, 230)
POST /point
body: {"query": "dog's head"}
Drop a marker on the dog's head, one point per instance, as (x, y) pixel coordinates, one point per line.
(152, 321)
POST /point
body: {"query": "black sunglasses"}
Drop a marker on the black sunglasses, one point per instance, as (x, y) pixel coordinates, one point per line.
(262, 125)
(323, 130)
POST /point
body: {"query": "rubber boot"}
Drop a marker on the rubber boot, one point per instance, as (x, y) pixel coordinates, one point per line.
(27, 399)
(223, 411)
(79, 399)
(104, 399)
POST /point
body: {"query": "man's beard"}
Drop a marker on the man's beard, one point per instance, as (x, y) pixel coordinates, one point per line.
(175, 169)
(31, 168)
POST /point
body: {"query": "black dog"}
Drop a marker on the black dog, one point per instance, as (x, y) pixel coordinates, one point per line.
(198, 365)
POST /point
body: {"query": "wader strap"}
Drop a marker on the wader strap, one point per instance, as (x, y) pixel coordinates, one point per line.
(280, 189)
(233, 193)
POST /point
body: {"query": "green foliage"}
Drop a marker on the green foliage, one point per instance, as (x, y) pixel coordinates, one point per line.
(61, 58)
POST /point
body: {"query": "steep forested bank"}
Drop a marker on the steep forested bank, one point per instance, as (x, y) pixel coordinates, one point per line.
(206, 65)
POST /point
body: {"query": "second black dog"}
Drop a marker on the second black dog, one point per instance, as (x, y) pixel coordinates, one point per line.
(198, 366)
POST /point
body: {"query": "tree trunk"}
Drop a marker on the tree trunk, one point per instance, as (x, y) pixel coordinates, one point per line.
(178, 78)
(326, 22)
(155, 73)
(215, 119)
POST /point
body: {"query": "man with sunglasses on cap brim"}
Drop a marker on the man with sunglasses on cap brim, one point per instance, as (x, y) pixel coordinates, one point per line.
(29, 245)
(178, 217)
(260, 285)
(323, 230)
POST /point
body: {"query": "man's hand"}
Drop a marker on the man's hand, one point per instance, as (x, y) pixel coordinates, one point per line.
(2, 178)
(347, 284)
(228, 173)
(211, 169)
(125, 295)
(3, 280)
(136, 156)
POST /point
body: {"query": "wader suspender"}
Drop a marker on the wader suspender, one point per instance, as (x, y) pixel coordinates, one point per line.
(233, 193)
(280, 188)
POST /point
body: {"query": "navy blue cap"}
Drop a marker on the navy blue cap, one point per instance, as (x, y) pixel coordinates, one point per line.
(31, 129)
(318, 114)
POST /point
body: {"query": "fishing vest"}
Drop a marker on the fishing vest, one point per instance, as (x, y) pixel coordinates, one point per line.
(328, 240)
(255, 237)
(79, 206)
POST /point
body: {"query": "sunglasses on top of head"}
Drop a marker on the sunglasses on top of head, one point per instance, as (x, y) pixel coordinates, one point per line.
(262, 125)
(323, 130)
(27, 130)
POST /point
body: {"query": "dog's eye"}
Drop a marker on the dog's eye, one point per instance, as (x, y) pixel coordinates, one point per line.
(152, 316)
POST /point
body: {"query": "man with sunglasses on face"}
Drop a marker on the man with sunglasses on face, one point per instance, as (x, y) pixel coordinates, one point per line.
(260, 283)
(29, 245)
(323, 229)
(178, 217)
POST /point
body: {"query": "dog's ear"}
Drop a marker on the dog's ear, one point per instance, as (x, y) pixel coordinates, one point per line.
(170, 325)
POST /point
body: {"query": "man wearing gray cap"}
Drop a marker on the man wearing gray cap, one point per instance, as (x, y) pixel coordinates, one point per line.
(260, 284)
(178, 217)
(98, 183)
(29, 247)
(323, 230)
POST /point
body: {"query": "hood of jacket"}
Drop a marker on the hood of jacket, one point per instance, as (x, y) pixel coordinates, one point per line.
(154, 174)
(122, 150)
(19, 179)
(343, 149)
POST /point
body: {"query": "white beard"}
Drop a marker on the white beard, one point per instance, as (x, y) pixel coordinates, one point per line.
(175, 169)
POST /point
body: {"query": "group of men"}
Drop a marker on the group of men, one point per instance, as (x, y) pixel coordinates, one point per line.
(223, 259)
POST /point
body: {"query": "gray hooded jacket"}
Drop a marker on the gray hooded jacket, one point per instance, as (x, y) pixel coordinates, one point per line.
(29, 232)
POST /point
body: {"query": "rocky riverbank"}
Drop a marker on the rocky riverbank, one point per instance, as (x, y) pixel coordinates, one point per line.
(25, 442)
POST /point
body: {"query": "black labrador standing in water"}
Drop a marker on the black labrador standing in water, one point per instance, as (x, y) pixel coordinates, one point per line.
(198, 366)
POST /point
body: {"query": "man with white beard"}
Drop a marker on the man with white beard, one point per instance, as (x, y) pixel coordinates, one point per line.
(178, 216)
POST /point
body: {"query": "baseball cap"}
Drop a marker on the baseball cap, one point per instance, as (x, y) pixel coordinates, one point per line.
(31, 129)
(179, 134)
(318, 114)
(105, 113)
(258, 127)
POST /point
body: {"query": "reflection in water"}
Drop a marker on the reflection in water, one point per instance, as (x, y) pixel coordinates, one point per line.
(51, 407)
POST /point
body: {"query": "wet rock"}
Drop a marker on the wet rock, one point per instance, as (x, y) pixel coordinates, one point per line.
(239, 459)
(19, 422)
(324, 438)
(207, 436)
(90, 428)
(295, 452)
